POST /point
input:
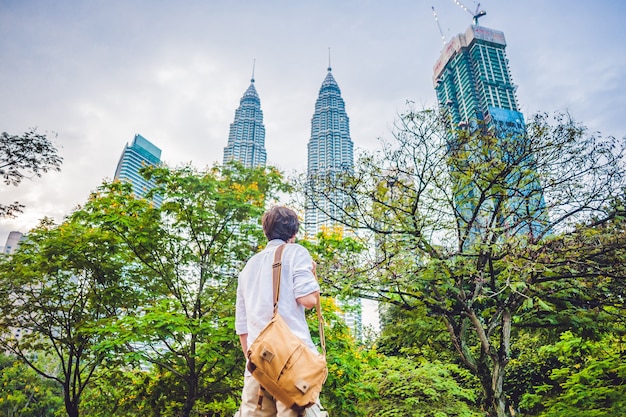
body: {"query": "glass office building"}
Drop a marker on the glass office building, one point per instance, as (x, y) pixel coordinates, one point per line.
(474, 89)
(13, 242)
(473, 81)
(141, 152)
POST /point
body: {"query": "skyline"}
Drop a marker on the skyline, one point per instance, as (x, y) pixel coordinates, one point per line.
(98, 73)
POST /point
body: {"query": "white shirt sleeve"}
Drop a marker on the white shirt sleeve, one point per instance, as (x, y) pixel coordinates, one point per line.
(241, 319)
(304, 281)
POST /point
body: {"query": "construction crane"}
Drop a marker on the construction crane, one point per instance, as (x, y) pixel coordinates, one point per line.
(443, 38)
(478, 13)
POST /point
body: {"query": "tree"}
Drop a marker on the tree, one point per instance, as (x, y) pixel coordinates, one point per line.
(413, 332)
(23, 156)
(568, 359)
(588, 379)
(190, 250)
(406, 386)
(122, 282)
(480, 228)
(24, 393)
(140, 392)
(345, 389)
(54, 291)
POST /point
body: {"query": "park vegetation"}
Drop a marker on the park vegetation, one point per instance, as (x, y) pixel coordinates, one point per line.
(498, 261)
(22, 157)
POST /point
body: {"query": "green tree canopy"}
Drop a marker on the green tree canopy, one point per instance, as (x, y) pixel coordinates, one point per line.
(481, 228)
(54, 290)
(23, 156)
(124, 283)
(588, 378)
(406, 386)
(24, 393)
(190, 250)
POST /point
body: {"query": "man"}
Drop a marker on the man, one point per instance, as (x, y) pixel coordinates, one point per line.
(299, 290)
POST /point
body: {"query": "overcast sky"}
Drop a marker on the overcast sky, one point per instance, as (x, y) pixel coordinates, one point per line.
(97, 72)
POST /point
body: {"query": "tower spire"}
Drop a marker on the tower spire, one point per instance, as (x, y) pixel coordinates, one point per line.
(329, 67)
(246, 139)
(330, 151)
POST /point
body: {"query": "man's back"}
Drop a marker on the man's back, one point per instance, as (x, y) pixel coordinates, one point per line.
(255, 293)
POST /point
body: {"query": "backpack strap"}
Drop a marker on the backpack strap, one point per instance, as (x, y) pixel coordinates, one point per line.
(276, 270)
(320, 324)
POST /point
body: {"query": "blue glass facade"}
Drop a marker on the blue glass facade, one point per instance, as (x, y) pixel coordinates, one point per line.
(330, 151)
(473, 85)
(141, 152)
(246, 139)
(472, 76)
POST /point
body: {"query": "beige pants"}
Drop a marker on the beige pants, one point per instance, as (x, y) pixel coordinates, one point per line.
(269, 407)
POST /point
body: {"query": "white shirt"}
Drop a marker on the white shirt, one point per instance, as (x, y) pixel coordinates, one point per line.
(255, 294)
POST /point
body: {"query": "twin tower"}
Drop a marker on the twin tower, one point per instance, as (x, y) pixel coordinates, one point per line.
(330, 148)
(472, 81)
(473, 84)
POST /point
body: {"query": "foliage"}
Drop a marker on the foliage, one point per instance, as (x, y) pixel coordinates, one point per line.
(189, 249)
(413, 332)
(331, 250)
(408, 386)
(60, 284)
(485, 230)
(526, 367)
(589, 309)
(345, 389)
(23, 156)
(589, 379)
(146, 393)
(24, 393)
(125, 284)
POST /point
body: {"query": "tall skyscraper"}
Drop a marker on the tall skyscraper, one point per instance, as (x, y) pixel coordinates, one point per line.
(474, 90)
(473, 81)
(246, 140)
(330, 152)
(140, 153)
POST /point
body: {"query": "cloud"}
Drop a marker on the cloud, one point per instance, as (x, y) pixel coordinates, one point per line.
(97, 73)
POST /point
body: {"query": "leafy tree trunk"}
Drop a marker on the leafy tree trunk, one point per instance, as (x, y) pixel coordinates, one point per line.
(71, 404)
(190, 400)
(476, 294)
(499, 398)
(191, 381)
(491, 363)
